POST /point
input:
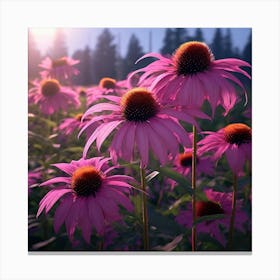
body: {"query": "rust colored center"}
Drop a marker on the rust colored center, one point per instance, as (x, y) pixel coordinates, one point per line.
(205, 208)
(192, 57)
(185, 159)
(107, 83)
(50, 87)
(86, 181)
(238, 133)
(78, 117)
(59, 62)
(139, 105)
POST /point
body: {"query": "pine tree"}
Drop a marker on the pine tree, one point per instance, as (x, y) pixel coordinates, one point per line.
(198, 35)
(104, 56)
(34, 57)
(247, 51)
(59, 48)
(168, 42)
(134, 52)
(217, 45)
(228, 51)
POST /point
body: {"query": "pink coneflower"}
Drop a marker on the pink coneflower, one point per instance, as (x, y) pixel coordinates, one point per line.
(70, 125)
(34, 177)
(235, 140)
(106, 86)
(183, 163)
(142, 122)
(62, 68)
(218, 203)
(51, 96)
(89, 196)
(192, 75)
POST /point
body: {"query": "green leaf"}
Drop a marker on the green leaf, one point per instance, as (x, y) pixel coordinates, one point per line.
(170, 173)
(209, 218)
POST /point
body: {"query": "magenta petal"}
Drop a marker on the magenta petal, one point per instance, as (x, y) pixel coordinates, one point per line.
(50, 199)
(119, 197)
(109, 208)
(142, 144)
(72, 218)
(235, 158)
(104, 133)
(128, 149)
(100, 108)
(96, 215)
(66, 180)
(65, 167)
(157, 145)
(62, 212)
(84, 221)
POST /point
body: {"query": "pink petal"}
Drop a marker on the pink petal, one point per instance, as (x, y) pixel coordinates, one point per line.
(142, 144)
(66, 180)
(96, 215)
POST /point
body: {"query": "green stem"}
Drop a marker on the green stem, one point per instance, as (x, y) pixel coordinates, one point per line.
(233, 211)
(144, 210)
(194, 189)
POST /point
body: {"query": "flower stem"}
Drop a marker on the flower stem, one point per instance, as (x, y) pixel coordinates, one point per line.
(194, 189)
(144, 210)
(233, 211)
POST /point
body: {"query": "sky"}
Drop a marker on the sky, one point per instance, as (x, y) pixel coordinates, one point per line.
(79, 38)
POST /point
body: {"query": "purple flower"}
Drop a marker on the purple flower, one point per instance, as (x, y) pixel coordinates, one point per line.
(218, 203)
(235, 140)
(52, 97)
(141, 121)
(183, 163)
(89, 196)
(106, 86)
(69, 125)
(61, 68)
(192, 75)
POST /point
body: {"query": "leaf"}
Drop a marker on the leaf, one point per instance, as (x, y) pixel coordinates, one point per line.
(151, 176)
(170, 173)
(171, 245)
(43, 243)
(209, 218)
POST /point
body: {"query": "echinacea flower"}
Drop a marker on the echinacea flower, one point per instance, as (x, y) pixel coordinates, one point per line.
(183, 163)
(51, 96)
(106, 86)
(69, 125)
(141, 121)
(235, 140)
(217, 203)
(192, 75)
(62, 68)
(89, 196)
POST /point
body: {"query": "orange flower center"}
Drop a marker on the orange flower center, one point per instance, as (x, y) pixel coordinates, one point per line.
(50, 87)
(205, 208)
(86, 181)
(192, 57)
(107, 83)
(238, 133)
(59, 62)
(78, 117)
(185, 159)
(139, 105)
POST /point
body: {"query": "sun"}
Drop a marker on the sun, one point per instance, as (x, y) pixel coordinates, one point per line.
(43, 33)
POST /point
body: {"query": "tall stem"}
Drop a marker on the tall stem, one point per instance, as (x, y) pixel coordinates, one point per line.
(144, 210)
(194, 189)
(233, 211)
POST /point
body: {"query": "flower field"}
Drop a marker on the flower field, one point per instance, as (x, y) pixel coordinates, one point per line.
(157, 161)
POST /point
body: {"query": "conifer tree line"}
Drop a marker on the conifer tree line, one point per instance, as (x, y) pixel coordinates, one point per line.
(104, 58)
